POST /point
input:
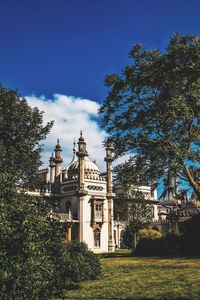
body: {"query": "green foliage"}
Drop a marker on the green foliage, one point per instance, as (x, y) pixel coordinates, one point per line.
(170, 244)
(191, 237)
(22, 131)
(149, 233)
(133, 207)
(80, 263)
(153, 111)
(149, 247)
(30, 248)
(35, 262)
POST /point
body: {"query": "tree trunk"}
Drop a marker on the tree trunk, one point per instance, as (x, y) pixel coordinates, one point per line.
(135, 240)
(195, 185)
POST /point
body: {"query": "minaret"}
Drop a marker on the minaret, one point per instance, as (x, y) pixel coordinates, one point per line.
(52, 169)
(74, 153)
(58, 160)
(110, 195)
(82, 153)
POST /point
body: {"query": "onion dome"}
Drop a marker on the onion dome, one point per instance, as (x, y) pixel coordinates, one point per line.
(90, 168)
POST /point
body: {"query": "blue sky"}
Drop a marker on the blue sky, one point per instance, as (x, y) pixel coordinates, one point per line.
(68, 46)
(62, 49)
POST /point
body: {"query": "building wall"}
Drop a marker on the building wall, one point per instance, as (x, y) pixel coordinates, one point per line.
(88, 230)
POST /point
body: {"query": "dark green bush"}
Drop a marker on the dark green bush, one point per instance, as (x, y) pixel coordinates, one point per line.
(191, 236)
(80, 263)
(30, 248)
(150, 247)
(35, 262)
(171, 244)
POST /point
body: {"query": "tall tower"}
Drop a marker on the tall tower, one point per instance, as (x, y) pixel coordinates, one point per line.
(82, 153)
(58, 160)
(52, 169)
(110, 195)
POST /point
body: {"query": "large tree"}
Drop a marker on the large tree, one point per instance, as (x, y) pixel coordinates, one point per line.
(132, 207)
(34, 260)
(21, 133)
(153, 110)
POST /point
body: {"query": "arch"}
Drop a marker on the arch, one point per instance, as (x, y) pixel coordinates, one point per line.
(68, 206)
(121, 243)
(115, 236)
(97, 238)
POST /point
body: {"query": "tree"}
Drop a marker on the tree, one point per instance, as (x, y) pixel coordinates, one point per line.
(31, 248)
(153, 110)
(138, 213)
(22, 131)
(34, 258)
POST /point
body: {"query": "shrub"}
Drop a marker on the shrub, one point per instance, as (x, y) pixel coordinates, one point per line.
(191, 236)
(170, 244)
(173, 244)
(149, 247)
(35, 262)
(30, 248)
(149, 233)
(80, 263)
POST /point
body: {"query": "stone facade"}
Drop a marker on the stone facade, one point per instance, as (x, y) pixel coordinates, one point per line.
(84, 197)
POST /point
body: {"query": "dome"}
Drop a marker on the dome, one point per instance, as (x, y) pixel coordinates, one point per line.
(90, 168)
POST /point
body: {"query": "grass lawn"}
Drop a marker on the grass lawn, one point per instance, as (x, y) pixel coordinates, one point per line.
(126, 277)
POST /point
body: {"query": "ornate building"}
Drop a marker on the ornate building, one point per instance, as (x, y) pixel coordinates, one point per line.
(84, 196)
(81, 198)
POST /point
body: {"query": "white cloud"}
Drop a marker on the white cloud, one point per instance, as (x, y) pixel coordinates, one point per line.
(71, 115)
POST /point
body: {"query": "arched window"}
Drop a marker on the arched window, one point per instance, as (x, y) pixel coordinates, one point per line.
(97, 238)
(68, 206)
(121, 239)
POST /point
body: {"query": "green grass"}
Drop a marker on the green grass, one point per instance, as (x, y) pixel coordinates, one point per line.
(125, 277)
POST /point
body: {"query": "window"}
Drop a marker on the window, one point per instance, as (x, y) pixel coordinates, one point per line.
(97, 238)
(98, 210)
(68, 206)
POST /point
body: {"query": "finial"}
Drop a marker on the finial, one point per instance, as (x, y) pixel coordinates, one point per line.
(57, 141)
(81, 136)
(74, 148)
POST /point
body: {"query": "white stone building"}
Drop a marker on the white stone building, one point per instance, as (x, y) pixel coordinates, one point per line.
(83, 197)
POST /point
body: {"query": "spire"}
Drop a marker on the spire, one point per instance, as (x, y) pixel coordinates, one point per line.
(58, 149)
(81, 136)
(169, 193)
(74, 148)
(51, 161)
(74, 153)
(82, 151)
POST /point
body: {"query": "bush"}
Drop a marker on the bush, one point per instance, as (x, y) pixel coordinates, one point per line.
(170, 244)
(80, 263)
(173, 244)
(149, 247)
(191, 236)
(30, 248)
(35, 262)
(149, 233)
